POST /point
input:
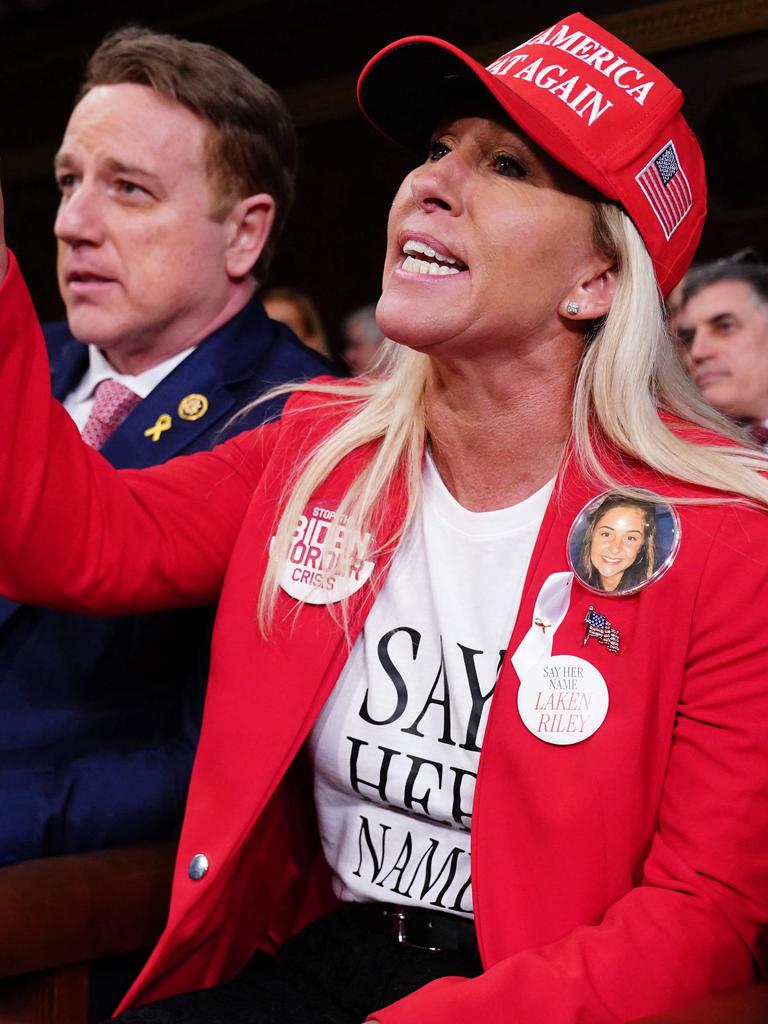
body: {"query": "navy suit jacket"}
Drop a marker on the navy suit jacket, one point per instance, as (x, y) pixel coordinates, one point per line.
(99, 716)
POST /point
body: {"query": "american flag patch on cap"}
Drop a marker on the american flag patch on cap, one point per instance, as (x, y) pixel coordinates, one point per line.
(666, 188)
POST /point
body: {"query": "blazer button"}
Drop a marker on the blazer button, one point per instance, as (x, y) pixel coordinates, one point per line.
(198, 867)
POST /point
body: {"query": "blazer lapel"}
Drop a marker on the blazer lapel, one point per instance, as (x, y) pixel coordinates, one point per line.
(196, 398)
(69, 359)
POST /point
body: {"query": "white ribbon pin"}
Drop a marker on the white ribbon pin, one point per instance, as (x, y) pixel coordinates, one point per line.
(562, 699)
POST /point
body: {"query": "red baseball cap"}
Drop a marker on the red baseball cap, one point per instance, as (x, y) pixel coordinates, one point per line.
(586, 98)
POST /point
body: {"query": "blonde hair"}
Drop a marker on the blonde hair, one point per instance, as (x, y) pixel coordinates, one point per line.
(628, 373)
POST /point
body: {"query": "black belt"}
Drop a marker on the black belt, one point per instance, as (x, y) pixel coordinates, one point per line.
(422, 928)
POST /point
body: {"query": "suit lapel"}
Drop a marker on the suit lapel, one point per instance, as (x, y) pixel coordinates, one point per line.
(69, 361)
(197, 397)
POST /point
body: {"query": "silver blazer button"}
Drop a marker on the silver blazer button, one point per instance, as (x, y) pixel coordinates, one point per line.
(198, 867)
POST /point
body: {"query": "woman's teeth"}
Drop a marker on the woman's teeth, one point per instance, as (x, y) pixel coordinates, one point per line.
(435, 264)
(411, 265)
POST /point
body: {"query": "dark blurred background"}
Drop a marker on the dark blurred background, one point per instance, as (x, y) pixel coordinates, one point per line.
(717, 52)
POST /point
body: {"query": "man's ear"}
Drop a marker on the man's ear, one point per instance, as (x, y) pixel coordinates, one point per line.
(591, 298)
(249, 224)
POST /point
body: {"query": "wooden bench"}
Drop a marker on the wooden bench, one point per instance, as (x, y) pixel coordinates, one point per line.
(58, 914)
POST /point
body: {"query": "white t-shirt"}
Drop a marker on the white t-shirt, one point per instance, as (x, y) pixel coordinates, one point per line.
(396, 748)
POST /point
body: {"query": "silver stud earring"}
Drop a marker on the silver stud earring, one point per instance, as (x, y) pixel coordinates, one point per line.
(572, 308)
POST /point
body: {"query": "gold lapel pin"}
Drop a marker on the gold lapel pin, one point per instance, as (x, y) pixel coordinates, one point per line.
(193, 407)
(162, 423)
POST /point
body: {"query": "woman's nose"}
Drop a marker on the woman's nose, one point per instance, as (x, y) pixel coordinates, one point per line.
(439, 184)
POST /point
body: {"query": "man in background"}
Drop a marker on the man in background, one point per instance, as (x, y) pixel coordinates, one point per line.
(176, 174)
(722, 324)
(361, 340)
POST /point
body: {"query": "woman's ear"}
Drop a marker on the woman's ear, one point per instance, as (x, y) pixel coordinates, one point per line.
(591, 298)
(250, 223)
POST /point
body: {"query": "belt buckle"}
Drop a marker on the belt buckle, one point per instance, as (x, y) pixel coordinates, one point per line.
(399, 919)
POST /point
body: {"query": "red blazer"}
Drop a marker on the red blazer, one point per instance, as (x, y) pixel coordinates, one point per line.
(611, 878)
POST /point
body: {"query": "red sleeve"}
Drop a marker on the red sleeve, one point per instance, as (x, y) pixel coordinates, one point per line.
(76, 533)
(698, 921)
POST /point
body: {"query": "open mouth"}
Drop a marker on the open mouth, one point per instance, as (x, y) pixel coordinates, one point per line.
(421, 258)
(83, 277)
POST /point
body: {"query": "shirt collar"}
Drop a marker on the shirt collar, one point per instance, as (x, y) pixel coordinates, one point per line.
(99, 369)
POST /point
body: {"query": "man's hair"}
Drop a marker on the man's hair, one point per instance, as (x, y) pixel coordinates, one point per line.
(251, 144)
(753, 274)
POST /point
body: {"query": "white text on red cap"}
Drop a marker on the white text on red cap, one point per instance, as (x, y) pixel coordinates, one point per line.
(588, 100)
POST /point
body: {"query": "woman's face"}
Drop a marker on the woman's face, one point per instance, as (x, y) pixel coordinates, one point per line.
(486, 239)
(617, 539)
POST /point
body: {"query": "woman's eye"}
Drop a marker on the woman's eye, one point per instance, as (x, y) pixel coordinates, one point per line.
(437, 148)
(509, 166)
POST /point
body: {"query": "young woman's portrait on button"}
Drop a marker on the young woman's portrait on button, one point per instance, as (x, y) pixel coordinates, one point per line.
(620, 543)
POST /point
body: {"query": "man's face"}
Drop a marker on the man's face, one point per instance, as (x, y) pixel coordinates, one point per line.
(141, 263)
(724, 332)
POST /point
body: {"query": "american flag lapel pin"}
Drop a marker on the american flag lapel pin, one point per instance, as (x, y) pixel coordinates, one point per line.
(599, 627)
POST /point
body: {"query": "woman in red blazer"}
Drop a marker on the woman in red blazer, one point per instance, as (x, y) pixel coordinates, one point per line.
(619, 822)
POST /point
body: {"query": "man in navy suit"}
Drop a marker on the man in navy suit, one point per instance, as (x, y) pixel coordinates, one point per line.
(176, 174)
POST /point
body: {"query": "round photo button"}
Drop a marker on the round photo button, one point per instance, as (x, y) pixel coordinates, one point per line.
(619, 544)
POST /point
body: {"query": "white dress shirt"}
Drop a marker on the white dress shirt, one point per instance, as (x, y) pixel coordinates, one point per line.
(79, 401)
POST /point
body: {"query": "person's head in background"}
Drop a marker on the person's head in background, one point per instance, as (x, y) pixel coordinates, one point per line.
(176, 172)
(296, 310)
(361, 339)
(722, 325)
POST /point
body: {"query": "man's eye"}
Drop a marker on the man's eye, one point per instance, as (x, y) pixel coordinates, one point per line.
(509, 165)
(685, 337)
(64, 182)
(129, 188)
(437, 149)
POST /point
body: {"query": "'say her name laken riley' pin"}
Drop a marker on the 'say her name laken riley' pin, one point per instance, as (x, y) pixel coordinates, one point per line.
(562, 699)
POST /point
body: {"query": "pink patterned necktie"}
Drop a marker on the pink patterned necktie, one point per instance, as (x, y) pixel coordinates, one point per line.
(113, 401)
